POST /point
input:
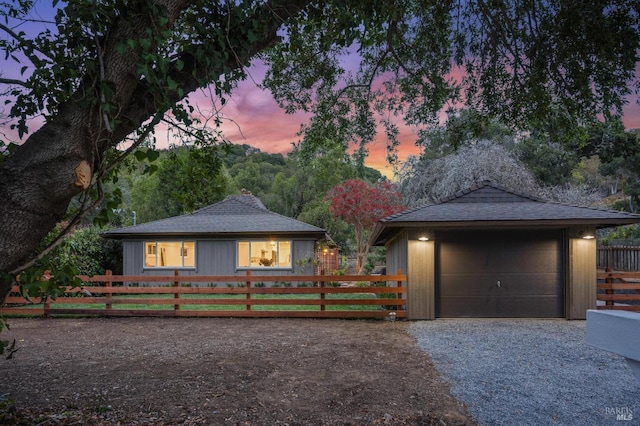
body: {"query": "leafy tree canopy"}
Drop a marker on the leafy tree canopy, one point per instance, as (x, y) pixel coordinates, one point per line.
(362, 205)
(108, 71)
(185, 180)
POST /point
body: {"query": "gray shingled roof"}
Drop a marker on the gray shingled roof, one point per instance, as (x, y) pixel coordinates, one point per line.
(236, 214)
(491, 205)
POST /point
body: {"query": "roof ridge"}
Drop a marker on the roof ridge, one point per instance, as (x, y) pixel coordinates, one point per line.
(487, 183)
(465, 191)
(255, 203)
(248, 199)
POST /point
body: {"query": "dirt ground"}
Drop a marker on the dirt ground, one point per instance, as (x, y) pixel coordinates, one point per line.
(192, 371)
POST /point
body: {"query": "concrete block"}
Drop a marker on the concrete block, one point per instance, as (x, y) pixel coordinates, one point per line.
(617, 332)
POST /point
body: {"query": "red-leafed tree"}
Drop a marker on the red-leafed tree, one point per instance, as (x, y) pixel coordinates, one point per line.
(362, 205)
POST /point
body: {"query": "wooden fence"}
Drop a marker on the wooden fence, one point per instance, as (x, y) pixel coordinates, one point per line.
(314, 296)
(619, 258)
(619, 290)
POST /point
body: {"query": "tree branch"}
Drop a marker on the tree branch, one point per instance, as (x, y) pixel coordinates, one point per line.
(13, 82)
(29, 47)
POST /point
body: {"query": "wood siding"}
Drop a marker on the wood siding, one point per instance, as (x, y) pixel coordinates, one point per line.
(582, 282)
(421, 269)
(213, 257)
(417, 258)
(397, 253)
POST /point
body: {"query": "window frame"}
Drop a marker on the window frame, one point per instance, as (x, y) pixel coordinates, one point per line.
(149, 250)
(278, 241)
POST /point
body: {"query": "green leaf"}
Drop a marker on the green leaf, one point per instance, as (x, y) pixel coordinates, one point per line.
(140, 155)
(252, 36)
(153, 155)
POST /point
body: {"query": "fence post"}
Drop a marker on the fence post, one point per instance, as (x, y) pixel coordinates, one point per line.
(176, 295)
(611, 259)
(248, 290)
(47, 305)
(609, 286)
(109, 295)
(322, 295)
(399, 284)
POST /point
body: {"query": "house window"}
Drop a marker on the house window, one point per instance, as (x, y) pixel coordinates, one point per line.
(264, 254)
(170, 254)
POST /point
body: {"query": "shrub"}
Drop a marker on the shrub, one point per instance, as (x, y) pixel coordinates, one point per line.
(88, 252)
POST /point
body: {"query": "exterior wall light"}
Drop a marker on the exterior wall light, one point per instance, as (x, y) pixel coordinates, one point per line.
(423, 238)
(583, 233)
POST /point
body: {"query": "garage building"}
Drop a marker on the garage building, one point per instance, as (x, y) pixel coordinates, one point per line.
(490, 252)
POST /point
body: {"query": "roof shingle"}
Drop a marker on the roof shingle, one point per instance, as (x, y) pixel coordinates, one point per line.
(490, 204)
(236, 214)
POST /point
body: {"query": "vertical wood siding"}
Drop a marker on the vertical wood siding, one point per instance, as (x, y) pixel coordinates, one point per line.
(581, 288)
(421, 280)
(213, 257)
(397, 253)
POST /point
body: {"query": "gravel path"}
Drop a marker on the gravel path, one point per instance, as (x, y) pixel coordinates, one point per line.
(530, 372)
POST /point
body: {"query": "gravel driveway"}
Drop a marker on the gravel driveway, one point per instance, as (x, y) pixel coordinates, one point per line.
(530, 372)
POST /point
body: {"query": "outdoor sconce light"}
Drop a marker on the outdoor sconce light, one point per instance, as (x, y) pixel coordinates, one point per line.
(423, 238)
(583, 233)
(588, 234)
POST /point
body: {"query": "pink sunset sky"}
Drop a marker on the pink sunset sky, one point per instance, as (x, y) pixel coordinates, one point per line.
(255, 119)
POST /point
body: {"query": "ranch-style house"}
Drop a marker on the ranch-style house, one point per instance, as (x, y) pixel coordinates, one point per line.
(230, 237)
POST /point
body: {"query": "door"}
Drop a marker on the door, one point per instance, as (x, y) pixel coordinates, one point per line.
(500, 274)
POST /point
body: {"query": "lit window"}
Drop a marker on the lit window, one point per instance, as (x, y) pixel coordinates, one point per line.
(264, 254)
(170, 254)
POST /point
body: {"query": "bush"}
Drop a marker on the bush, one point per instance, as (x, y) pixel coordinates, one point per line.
(621, 233)
(87, 252)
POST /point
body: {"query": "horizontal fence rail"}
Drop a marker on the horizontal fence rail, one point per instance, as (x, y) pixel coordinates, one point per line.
(618, 258)
(311, 296)
(619, 290)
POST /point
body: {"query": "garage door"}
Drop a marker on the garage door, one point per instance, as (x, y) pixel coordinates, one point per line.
(500, 274)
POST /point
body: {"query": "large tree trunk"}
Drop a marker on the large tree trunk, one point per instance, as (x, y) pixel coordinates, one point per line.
(56, 163)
